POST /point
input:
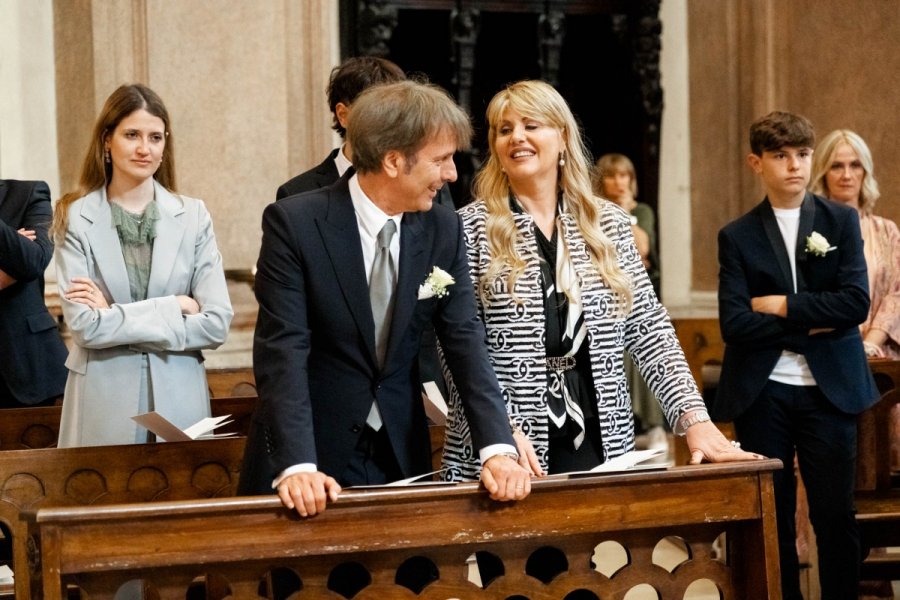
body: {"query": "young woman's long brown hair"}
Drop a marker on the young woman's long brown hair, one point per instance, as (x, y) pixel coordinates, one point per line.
(96, 172)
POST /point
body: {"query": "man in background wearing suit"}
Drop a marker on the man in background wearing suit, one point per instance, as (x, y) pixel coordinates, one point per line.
(32, 355)
(335, 361)
(348, 80)
(792, 291)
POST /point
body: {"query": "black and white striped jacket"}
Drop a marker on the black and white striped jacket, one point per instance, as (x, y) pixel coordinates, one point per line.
(515, 337)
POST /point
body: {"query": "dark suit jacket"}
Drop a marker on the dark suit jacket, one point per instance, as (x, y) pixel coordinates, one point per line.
(314, 350)
(32, 355)
(326, 173)
(832, 292)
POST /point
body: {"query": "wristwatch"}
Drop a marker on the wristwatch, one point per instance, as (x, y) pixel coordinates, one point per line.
(699, 416)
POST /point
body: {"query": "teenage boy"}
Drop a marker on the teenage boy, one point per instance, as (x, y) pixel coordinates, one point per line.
(792, 292)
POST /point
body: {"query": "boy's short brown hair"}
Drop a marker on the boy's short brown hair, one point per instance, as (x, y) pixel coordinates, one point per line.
(778, 129)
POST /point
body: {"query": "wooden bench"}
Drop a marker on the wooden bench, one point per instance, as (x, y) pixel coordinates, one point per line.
(30, 479)
(877, 489)
(231, 382)
(33, 428)
(237, 544)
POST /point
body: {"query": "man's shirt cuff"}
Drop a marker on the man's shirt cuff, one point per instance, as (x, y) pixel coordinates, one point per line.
(292, 470)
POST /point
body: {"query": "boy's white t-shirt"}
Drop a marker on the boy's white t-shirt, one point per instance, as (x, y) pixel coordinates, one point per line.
(791, 368)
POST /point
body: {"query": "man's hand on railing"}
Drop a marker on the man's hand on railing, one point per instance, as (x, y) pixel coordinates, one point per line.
(308, 493)
(505, 479)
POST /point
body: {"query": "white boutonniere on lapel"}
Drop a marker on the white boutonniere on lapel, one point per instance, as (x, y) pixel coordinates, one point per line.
(817, 245)
(436, 284)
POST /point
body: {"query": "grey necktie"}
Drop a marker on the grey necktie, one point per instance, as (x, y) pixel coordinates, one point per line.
(381, 292)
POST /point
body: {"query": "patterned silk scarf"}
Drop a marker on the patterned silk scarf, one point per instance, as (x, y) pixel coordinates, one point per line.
(565, 290)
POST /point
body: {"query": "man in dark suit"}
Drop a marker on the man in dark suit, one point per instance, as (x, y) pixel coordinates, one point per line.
(339, 401)
(32, 355)
(792, 292)
(348, 80)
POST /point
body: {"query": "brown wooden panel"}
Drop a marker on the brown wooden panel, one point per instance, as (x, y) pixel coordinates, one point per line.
(30, 479)
(168, 543)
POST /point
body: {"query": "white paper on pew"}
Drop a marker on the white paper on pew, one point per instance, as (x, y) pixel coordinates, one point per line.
(409, 482)
(169, 432)
(636, 460)
(6, 574)
(628, 460)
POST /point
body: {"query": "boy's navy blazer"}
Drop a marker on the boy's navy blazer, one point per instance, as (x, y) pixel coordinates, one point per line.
(314, 349)
(832, 293)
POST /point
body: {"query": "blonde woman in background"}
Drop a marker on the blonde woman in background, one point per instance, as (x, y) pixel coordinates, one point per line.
(843, 171)
(141, 281)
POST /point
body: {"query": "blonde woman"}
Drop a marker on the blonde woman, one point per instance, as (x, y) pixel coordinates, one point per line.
(843, 171)
(562, 294)
(141, 281)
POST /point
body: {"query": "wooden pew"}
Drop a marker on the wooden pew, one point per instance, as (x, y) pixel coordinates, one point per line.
(30, 479)
(236, 544)
(877, 489)
(33, 428)
(231, 382)
(29, 428)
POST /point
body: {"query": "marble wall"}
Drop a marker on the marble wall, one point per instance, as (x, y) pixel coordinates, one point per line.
(243, 83)
(833, 61)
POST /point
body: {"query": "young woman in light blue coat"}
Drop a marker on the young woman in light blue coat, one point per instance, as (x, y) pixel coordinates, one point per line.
(140, 278)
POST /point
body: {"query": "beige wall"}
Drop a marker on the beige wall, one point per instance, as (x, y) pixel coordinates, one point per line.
(245, 85)
(834, 61)
(243, 82)
(27, 101)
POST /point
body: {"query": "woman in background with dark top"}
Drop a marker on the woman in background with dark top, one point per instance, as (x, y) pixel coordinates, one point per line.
(614, 178)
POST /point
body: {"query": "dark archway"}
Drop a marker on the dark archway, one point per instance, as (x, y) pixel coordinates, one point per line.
(602, 55)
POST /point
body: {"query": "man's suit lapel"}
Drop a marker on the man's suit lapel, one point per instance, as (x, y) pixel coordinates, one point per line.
(326, 172)
(807, 220)
(773, 233)
(105, 246)
(410, 276)
(169, 234)
(4, 189)
(340, 236)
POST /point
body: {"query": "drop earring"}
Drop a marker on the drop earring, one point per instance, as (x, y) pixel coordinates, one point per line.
(106, 156)
(562, 158)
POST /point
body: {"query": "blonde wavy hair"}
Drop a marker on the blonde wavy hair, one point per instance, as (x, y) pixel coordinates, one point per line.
(540, 101)
(824, 155)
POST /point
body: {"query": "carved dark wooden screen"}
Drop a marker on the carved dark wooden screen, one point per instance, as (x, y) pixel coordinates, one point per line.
(602, 55)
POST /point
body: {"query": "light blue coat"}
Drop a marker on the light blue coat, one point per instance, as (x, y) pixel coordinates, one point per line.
(103, 386)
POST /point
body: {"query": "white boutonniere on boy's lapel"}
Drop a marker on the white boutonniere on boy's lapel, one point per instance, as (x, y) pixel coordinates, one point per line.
(436, 284)
(817, 244)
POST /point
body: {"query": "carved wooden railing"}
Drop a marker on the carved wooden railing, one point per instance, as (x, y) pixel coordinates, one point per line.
(239, 545)
(30, 479)
(877, 490)
(231, 382)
